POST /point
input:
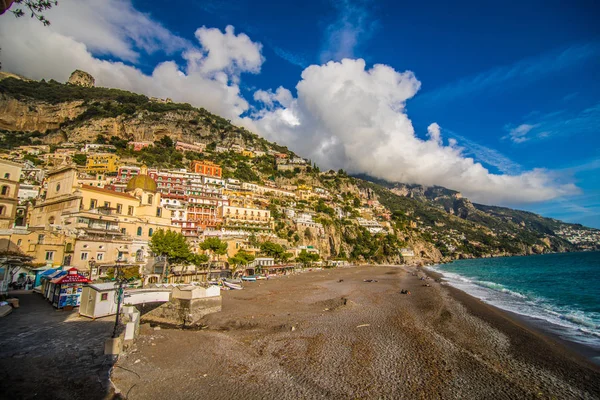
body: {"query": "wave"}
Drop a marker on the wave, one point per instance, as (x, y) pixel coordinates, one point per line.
(581, 326)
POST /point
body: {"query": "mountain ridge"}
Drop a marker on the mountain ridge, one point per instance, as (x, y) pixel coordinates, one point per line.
(432, 219)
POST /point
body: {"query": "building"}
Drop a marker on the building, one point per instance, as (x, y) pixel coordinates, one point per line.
(102, 163)
(372, 226)
(207, 168)
(139, 146)
(10, 173)
(183, 146)
(245, 217)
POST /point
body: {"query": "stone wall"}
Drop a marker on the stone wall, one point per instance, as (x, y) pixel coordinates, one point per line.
(183, 312)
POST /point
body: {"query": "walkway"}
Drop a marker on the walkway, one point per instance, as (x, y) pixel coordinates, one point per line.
(51, 354)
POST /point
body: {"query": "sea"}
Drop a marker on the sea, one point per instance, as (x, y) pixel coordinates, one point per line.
(559, 292)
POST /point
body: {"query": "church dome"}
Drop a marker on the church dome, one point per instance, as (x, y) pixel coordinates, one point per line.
(143, 182)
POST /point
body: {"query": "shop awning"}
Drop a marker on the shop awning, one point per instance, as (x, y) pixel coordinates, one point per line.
(72, 276)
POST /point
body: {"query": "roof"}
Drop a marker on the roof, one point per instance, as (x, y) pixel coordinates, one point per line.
(72, 276)
(143, 182)
(107, 191)
(102, 287)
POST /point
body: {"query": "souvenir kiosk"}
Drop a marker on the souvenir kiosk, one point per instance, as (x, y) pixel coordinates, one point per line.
(67, 289)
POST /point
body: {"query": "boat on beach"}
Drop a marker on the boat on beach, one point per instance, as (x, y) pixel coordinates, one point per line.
(233, 286)
(249, 278)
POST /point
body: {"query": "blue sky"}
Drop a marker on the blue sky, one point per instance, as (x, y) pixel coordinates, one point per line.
(511, 85)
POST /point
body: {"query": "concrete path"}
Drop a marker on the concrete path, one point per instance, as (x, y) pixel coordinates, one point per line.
(50, 354)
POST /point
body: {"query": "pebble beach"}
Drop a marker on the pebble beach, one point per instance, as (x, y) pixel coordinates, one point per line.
(350, 333)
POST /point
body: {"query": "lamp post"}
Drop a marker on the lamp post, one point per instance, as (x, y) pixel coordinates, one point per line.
(120, 280)
(92, 264)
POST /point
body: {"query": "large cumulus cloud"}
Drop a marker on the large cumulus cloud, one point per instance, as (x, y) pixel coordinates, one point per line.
(348, 116)
(83, 30)
(343, 116)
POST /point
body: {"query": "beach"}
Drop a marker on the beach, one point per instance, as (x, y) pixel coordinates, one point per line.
(331, 334)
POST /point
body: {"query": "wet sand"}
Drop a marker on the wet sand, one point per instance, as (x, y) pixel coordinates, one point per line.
(329, 334)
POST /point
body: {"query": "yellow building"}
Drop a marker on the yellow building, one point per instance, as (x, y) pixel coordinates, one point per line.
(108, 225)
(10, 173)
(46, 247)
(248, 153)
(102, 163)
(245, 217)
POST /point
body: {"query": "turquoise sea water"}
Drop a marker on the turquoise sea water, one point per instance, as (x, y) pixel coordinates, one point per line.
(561, 289)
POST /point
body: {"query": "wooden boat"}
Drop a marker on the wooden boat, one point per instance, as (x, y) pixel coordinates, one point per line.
(232, 285)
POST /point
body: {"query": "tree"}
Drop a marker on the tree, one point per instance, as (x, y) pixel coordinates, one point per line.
(101, 139)
(307, 258)
(214, 246)
(242, 258)
(36, 7)
(271, 249)
(308, 234)
(79, 159)
(197, 260)
(171, 245)
(165, 142)
(129, 273)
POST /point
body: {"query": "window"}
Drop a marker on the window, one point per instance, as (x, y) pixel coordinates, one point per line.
(99, 256)
(139, 231)
(5, 190)
(124, 231)
(150, 232)
(84, 256)
(41, 239)
(6, 175)
(2, 209)
(158, 211)
(93, 203)
(57, 187)
(130, 210)
(150, 198)
(107, 204)
(119, 208)
(49, 255)
(69, 247)
(103, 296)
(19, 242)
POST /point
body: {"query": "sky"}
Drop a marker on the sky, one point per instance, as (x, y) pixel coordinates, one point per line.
(498, 100)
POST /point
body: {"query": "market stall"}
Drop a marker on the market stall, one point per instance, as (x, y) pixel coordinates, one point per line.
(67, 289)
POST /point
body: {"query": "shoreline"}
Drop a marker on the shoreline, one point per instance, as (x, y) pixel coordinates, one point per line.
(541, 328)
(349, 333)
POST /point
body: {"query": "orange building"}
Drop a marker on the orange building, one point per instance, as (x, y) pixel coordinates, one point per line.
(206, 168)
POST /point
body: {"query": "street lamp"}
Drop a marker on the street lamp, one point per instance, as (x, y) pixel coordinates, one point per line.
(120, 280)
(92, 264)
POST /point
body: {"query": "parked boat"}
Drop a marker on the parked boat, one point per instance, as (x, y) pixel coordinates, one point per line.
(249, 278)
(232, 285)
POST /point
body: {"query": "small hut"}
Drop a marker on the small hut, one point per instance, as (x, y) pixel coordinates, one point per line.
(66, 290)
(98, 300)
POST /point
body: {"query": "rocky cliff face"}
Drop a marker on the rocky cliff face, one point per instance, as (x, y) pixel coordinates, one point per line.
(27, 116)
(82, 78)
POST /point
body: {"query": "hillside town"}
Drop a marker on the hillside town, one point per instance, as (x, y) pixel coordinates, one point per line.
(102, 214)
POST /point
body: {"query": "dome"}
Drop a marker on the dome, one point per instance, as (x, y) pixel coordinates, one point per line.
(143, 182)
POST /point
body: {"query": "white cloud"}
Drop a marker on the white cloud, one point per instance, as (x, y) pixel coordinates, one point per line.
(112, 27)
(352, 27)
(208, 78)
(347, 116)
(434, 133)
(519, 134)
(344, 115)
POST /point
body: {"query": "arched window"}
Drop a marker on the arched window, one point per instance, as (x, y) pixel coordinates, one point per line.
(150, 198)
(5, 190)
(2, 208)
(51, 220)
(139, 255)
(150, 232)
(6, 175)
(139, 231)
